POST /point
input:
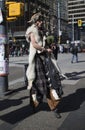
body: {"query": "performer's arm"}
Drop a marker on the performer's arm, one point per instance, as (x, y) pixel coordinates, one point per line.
(35, 44)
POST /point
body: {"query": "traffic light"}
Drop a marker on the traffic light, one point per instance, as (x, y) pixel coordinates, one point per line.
(11, 18)
(79, 23)
(14, 10)
(9, 2)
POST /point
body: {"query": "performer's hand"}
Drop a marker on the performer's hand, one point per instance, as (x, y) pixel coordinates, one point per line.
(53, 47)
(49, 50)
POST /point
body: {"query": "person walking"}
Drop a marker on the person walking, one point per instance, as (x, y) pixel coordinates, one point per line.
(42, 79)
(74, 51)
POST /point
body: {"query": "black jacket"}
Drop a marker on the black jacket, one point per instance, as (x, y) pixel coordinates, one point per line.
(74, 50)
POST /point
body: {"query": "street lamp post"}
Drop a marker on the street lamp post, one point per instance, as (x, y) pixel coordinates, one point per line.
(72, 27)
(3, 51)
(58, 17)
(59, 23)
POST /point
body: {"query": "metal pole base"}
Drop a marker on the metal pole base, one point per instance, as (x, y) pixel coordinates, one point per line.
(3, 85)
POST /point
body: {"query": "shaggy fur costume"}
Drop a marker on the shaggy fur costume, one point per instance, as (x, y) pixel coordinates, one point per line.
(30, 73)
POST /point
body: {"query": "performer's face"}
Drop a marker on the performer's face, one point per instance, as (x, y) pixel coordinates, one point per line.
(39, 23)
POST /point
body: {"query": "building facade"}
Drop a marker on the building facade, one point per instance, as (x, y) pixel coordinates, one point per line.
(55, 19)
(76, 14)
(17, 28)
(62, 15)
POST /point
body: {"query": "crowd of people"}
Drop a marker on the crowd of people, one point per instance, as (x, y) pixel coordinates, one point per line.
(18, 51)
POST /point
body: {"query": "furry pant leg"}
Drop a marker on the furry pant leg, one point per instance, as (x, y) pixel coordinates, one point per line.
(52, 104)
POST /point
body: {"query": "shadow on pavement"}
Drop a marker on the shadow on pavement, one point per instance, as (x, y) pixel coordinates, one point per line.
(17, 115)
(75, 75)
(13, 91)
(81, 61)
(73, 101)
(7, 103)
(21, 113)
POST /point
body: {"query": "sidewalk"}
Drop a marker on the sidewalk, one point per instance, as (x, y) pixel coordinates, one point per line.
(15, 112)
(73, 71)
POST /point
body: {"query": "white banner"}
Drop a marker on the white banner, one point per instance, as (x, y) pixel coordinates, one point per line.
(2, 52)
(4, 67)
(2, 39)
(60, 33)
(1, 17)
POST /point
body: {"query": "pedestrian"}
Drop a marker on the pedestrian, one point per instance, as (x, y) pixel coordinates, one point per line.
(74, 51)
(40, 70)
(61, 48)
(55, 49)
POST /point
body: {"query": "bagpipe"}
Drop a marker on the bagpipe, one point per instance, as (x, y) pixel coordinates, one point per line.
(52, 74)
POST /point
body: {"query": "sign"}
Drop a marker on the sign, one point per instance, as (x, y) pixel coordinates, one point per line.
(60, 33)
(4, 64)
(67, 41)
(4, 67)
(1, 17)
(2, 52)
(2, 39)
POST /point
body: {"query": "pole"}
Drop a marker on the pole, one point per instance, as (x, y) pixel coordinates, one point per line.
(59, 32)
(72, 27)
(3, 51)
(58, 18)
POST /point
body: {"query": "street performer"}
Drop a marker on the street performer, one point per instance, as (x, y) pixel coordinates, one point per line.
(43, 77)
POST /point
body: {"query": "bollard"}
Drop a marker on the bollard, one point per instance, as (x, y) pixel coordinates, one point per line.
(3, 85)
(25, 78)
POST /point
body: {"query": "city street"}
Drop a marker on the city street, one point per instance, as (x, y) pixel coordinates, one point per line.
(74, 71)
(15, 112)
